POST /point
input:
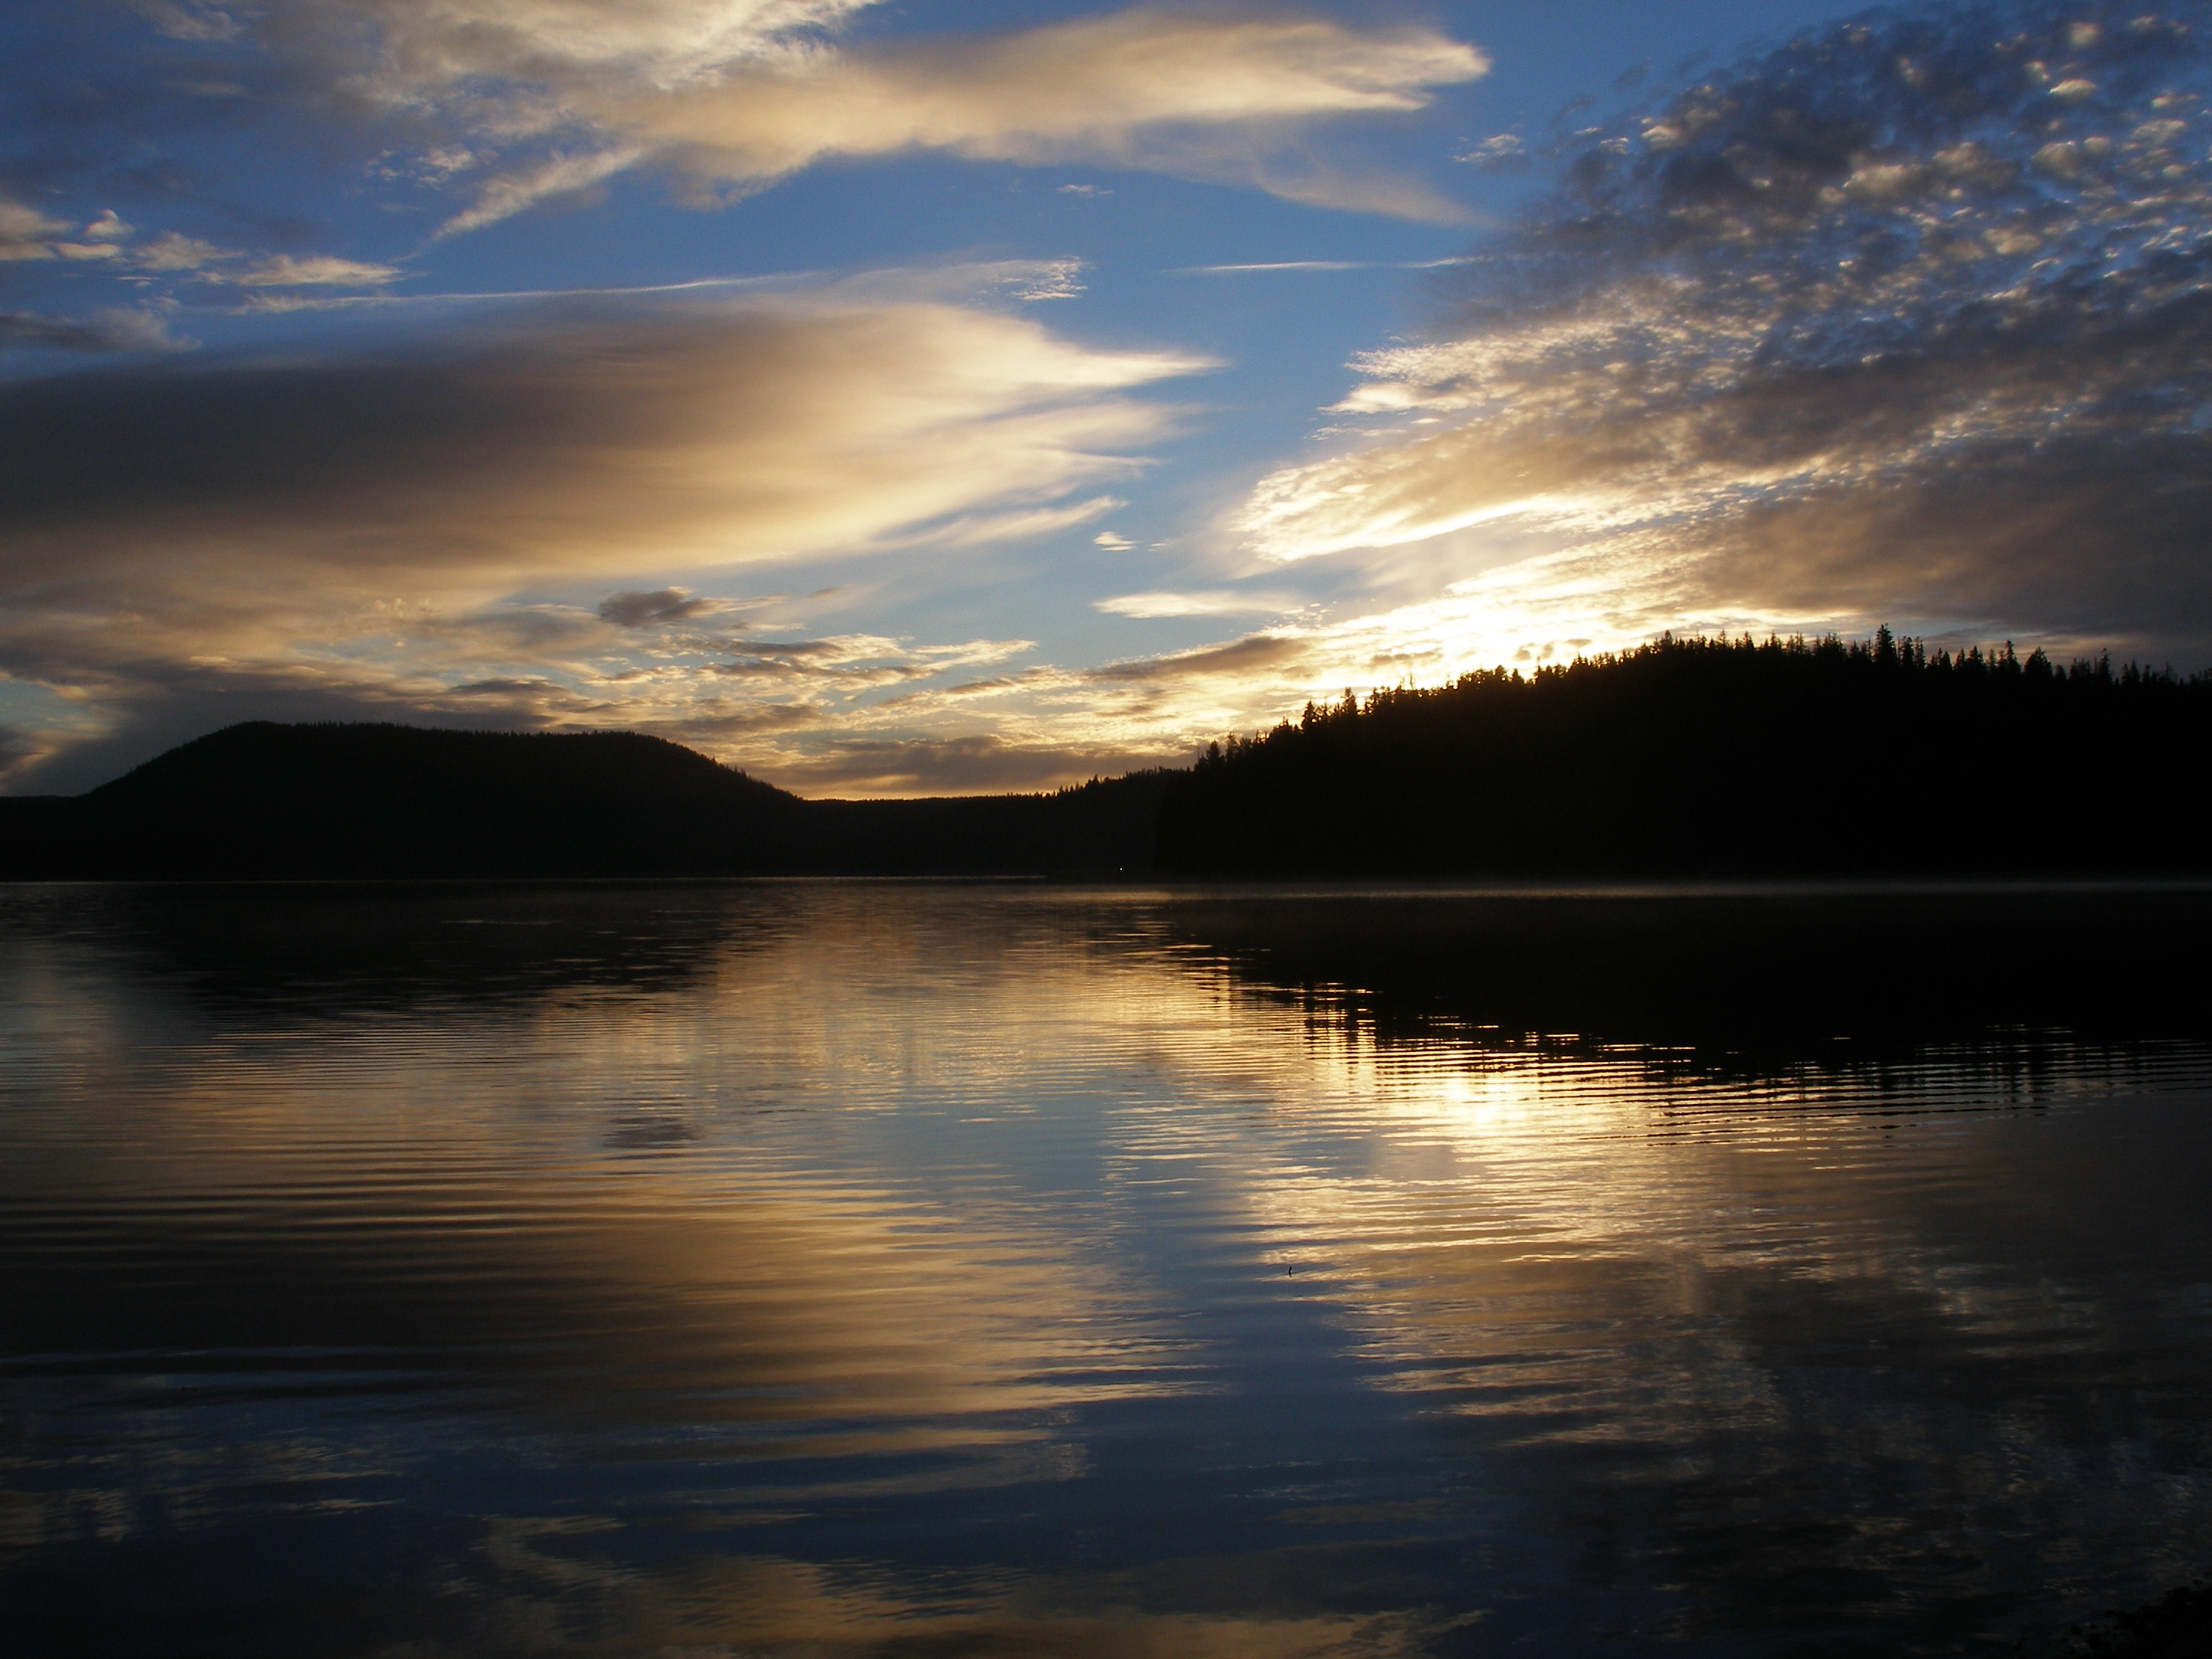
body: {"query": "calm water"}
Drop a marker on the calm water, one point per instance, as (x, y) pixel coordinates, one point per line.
(827, 1270)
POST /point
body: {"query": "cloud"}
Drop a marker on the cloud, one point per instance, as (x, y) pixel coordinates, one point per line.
(1166, 706)
(1127, 88)
(1498, 152)
(508, 193)
(399, 50)
(856, 662)
(588, 438)
(1269, 650)
(1209, 602)
(983, 763)
(171, 252)
(531, 688)
(316, 270)
(1319, 264)
(714, 728)
(350, 531)
(19, 751)
(25, 233)
(1057, 281)
(1044, 725)
(975, 529)
(665, 605)
(527, 99)
(1911, 318)
(118, 329)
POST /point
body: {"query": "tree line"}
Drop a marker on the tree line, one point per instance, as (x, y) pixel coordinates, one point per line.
(1720, 756)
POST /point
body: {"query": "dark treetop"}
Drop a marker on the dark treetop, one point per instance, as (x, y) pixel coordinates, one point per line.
(1719, 757)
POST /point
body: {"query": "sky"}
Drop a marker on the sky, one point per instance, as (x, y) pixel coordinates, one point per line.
(930, 398)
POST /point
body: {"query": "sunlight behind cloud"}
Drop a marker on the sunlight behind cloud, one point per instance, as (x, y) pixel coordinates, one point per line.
(1906, 318)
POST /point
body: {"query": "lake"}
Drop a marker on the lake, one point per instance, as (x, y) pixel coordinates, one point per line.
(844, 1269)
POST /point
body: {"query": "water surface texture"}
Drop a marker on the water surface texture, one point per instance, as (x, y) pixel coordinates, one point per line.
(839, 1269)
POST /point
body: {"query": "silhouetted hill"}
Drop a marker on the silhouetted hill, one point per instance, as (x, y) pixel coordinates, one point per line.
(269, 800)
(1710, 757)
(264, 800)
(1685, 757)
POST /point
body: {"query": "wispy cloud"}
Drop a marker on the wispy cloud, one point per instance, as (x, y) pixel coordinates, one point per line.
(508, 193)
(1499, 152)
(518, 102)
(975, 529)
(172, 252)
(638, 609)
(1321, 265)
(313, 271)
(341, 533)
(1238, 659)
(976, 764)
(1142, 87)
(109, 328)
(1204, 602)
(953, 284)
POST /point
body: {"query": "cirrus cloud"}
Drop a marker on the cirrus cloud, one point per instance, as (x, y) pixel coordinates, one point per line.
(525, 100)
(1146, 88)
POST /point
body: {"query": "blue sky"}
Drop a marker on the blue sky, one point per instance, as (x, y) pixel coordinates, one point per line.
(906, 398)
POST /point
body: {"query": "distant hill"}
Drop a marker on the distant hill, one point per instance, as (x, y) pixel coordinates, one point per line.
(271, 801)
(1724, 759)
(1102, 829)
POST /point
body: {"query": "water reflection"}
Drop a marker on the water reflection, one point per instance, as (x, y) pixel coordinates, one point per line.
(805, 1268)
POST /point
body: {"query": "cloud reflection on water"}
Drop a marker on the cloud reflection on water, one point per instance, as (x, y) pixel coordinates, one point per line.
(958, 1313)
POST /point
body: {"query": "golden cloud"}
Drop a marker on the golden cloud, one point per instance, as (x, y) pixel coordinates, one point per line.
(589, 441)
(344, 529)
(539, 98)
(1129, 87)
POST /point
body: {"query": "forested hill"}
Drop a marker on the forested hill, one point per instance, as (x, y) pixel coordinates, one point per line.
(1686, 757)
(1721, 757)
